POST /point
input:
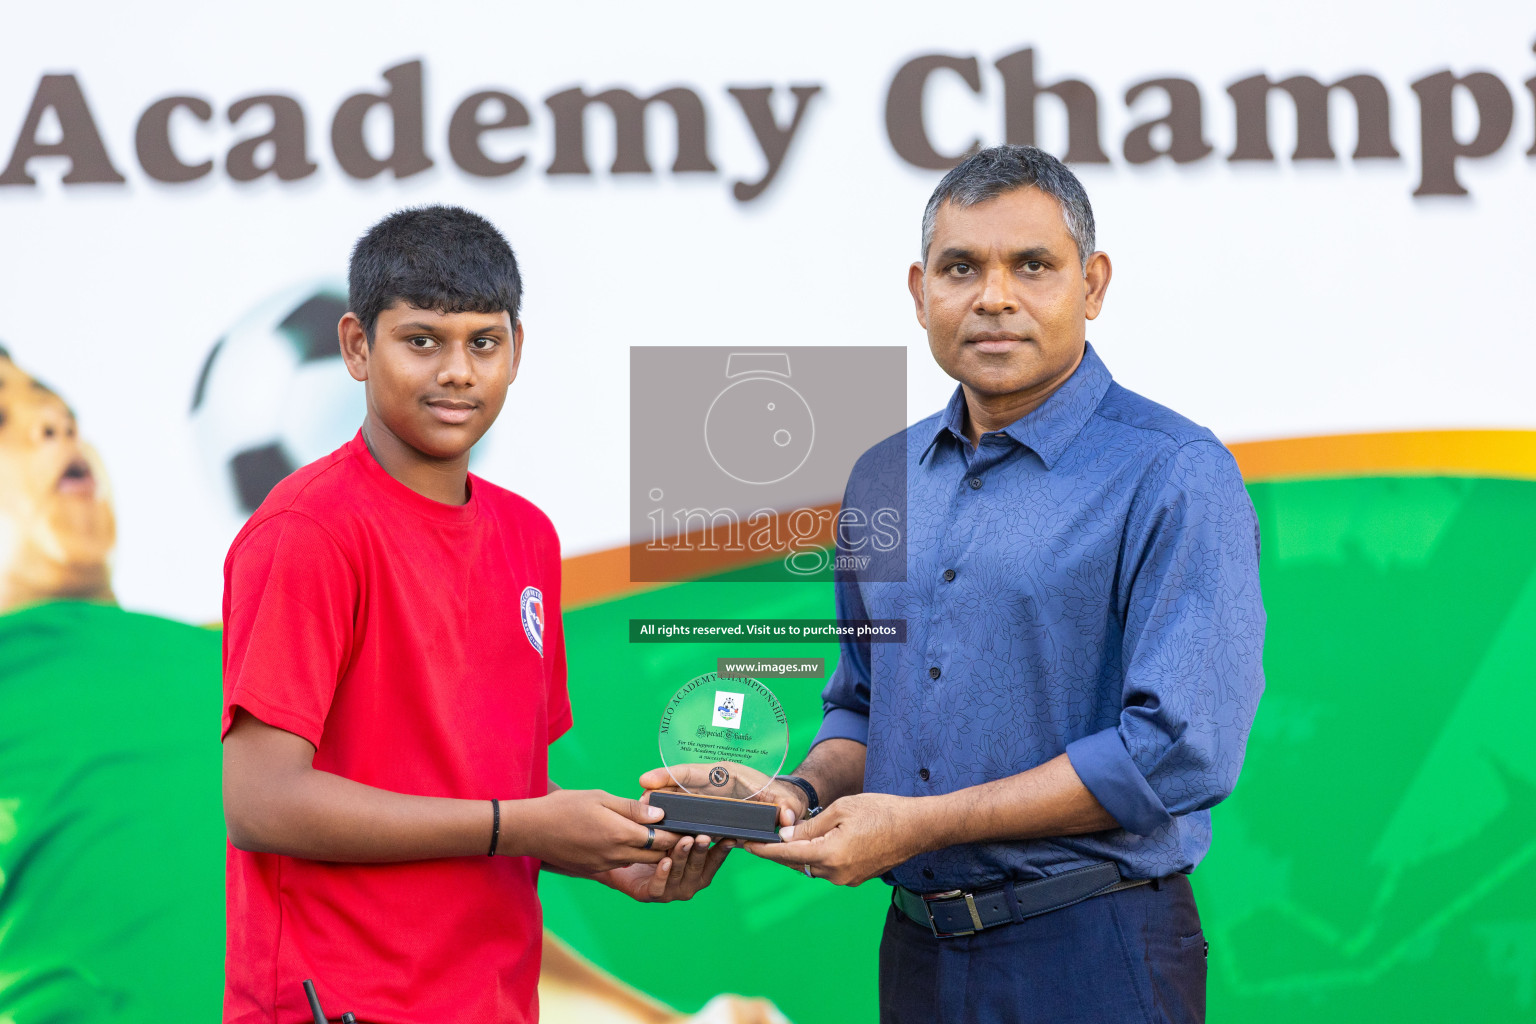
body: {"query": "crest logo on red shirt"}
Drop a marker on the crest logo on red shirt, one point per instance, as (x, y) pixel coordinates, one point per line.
(533, 618)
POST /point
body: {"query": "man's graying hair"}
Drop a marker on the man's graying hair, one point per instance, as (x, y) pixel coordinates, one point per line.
(1002, 169)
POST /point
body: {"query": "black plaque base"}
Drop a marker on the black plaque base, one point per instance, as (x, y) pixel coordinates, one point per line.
(718, 817)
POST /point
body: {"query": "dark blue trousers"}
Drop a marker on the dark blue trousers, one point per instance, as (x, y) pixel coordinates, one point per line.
(1137, 955)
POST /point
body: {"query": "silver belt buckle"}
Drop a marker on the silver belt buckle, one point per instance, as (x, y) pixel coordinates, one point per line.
(970, 904)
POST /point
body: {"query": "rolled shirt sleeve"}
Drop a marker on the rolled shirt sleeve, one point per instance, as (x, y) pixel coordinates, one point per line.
(1191, 648)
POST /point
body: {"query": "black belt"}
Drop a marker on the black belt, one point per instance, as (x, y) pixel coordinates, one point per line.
(955, 913)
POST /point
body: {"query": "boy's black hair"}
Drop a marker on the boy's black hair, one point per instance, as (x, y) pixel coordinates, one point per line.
(442, 258)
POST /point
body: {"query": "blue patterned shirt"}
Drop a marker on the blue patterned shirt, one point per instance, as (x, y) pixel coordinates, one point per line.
(1087, 581)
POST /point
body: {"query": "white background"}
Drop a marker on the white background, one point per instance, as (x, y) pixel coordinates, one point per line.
(1264, 301)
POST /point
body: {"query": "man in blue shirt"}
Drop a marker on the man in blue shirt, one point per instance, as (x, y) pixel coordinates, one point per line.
(1033, 768)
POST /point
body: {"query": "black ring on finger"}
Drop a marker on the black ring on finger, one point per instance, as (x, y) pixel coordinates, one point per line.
(650, 838)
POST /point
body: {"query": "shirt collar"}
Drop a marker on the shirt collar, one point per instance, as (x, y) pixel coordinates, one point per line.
(1049, 429)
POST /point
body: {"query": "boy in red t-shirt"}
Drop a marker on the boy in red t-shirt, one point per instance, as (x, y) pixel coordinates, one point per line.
(394, 672)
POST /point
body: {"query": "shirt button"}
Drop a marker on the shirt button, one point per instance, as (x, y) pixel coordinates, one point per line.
(975, 483)
(933, 673)
(928, 873)
(949, 574)
(922, 773)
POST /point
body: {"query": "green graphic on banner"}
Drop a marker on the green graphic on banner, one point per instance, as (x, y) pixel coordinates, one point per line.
(111, 826)
(1371, 864)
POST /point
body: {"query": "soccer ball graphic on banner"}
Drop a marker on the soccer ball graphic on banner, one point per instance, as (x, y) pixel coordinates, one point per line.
(274, 394)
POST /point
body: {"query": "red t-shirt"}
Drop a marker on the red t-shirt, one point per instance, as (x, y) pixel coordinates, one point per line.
(417, 645)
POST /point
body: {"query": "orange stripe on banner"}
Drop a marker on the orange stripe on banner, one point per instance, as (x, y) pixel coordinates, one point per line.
(1490, 453)
(604, 575)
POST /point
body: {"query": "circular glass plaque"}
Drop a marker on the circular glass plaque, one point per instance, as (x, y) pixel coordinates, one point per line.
(724, 737)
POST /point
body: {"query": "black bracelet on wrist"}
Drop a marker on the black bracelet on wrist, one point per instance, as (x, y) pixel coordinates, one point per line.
(495, 827)
(812, 801)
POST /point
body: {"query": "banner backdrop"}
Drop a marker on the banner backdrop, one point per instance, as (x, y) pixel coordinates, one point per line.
(1320, 221)
(1303, 289)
